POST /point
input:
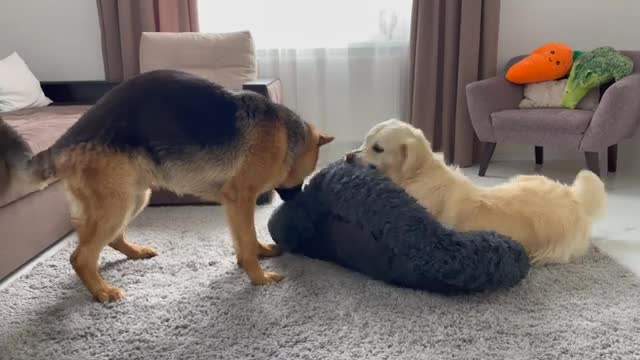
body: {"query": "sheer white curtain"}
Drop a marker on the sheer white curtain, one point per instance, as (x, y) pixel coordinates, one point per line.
(343, 63)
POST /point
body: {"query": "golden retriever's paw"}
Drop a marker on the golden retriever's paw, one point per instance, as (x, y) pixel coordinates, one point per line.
(269, 250)
(109, 294)
(267, 278)
(142, 252)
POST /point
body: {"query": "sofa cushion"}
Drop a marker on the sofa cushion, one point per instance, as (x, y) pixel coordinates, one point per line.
(19, 88)
(227, 59)
(40, 128)
(550, 121)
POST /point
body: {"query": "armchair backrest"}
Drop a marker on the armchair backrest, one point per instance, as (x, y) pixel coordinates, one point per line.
(633, 54)
(228, 59)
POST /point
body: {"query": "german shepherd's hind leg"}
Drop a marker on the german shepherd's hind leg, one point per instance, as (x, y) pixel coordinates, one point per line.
(240, 216)
(104, 190)
(99, 225)
(133, 251)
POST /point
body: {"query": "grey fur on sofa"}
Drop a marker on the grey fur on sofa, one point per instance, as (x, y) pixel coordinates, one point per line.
(356, 217)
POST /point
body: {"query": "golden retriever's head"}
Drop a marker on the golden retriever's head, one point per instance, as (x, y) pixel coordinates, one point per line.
(396, 148)
(305, 163)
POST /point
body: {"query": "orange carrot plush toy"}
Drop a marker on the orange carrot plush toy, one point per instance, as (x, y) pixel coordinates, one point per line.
(550, 61)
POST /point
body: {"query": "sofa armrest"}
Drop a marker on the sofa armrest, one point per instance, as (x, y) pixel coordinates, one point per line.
(617, 116)
(271, 88)
(487, 96)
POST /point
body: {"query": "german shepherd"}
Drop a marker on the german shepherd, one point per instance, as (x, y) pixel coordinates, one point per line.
(173, 130)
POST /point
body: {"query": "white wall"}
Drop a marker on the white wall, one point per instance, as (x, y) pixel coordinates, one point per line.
(582, 24)
(58, 39)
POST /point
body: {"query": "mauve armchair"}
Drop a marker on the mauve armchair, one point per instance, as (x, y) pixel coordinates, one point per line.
(496, 118)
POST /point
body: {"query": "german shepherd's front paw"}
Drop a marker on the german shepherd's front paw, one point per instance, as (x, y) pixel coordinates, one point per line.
(142, 252)
(108, 294)
(269, 250)
(267, 278)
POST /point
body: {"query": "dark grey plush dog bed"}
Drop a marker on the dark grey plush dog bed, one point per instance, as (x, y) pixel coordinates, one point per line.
(356, 217)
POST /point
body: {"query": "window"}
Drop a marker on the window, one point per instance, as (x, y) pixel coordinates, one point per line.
(343, 63)
(304, 24)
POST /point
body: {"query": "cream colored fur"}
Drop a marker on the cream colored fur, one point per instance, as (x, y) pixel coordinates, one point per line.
(552, 220)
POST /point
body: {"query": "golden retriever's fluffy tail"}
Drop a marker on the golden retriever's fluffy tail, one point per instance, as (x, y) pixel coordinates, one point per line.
(590, 191)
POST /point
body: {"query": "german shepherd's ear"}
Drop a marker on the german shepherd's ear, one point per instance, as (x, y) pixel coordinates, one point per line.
(324, 139)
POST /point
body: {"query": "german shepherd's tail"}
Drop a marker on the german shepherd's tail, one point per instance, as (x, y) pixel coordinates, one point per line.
(20, 170)
(591, 193)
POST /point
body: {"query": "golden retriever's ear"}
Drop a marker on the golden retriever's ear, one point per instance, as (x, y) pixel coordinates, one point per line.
(325, 139)
(412, 156)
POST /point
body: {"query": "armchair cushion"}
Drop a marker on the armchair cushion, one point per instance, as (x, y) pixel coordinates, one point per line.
(227, 59)
(543, 127)
(556, 121)
(487, 96)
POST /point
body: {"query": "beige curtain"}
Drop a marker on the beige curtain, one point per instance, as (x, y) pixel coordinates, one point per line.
(123, 21)
(453, 43)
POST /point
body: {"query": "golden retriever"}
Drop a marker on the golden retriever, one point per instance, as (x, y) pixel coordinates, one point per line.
(551, 220)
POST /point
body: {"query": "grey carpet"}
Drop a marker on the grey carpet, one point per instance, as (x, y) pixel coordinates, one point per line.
(192, 302)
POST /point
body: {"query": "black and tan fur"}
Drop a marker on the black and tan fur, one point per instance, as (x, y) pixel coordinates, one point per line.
(173, 130)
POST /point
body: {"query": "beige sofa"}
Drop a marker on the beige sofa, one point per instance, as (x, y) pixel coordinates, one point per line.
(30, 223)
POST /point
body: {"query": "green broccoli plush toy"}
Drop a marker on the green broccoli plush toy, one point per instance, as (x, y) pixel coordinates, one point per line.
(592, 69)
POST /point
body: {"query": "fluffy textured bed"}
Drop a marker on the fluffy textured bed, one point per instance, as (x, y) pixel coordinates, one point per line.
(352, 215)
